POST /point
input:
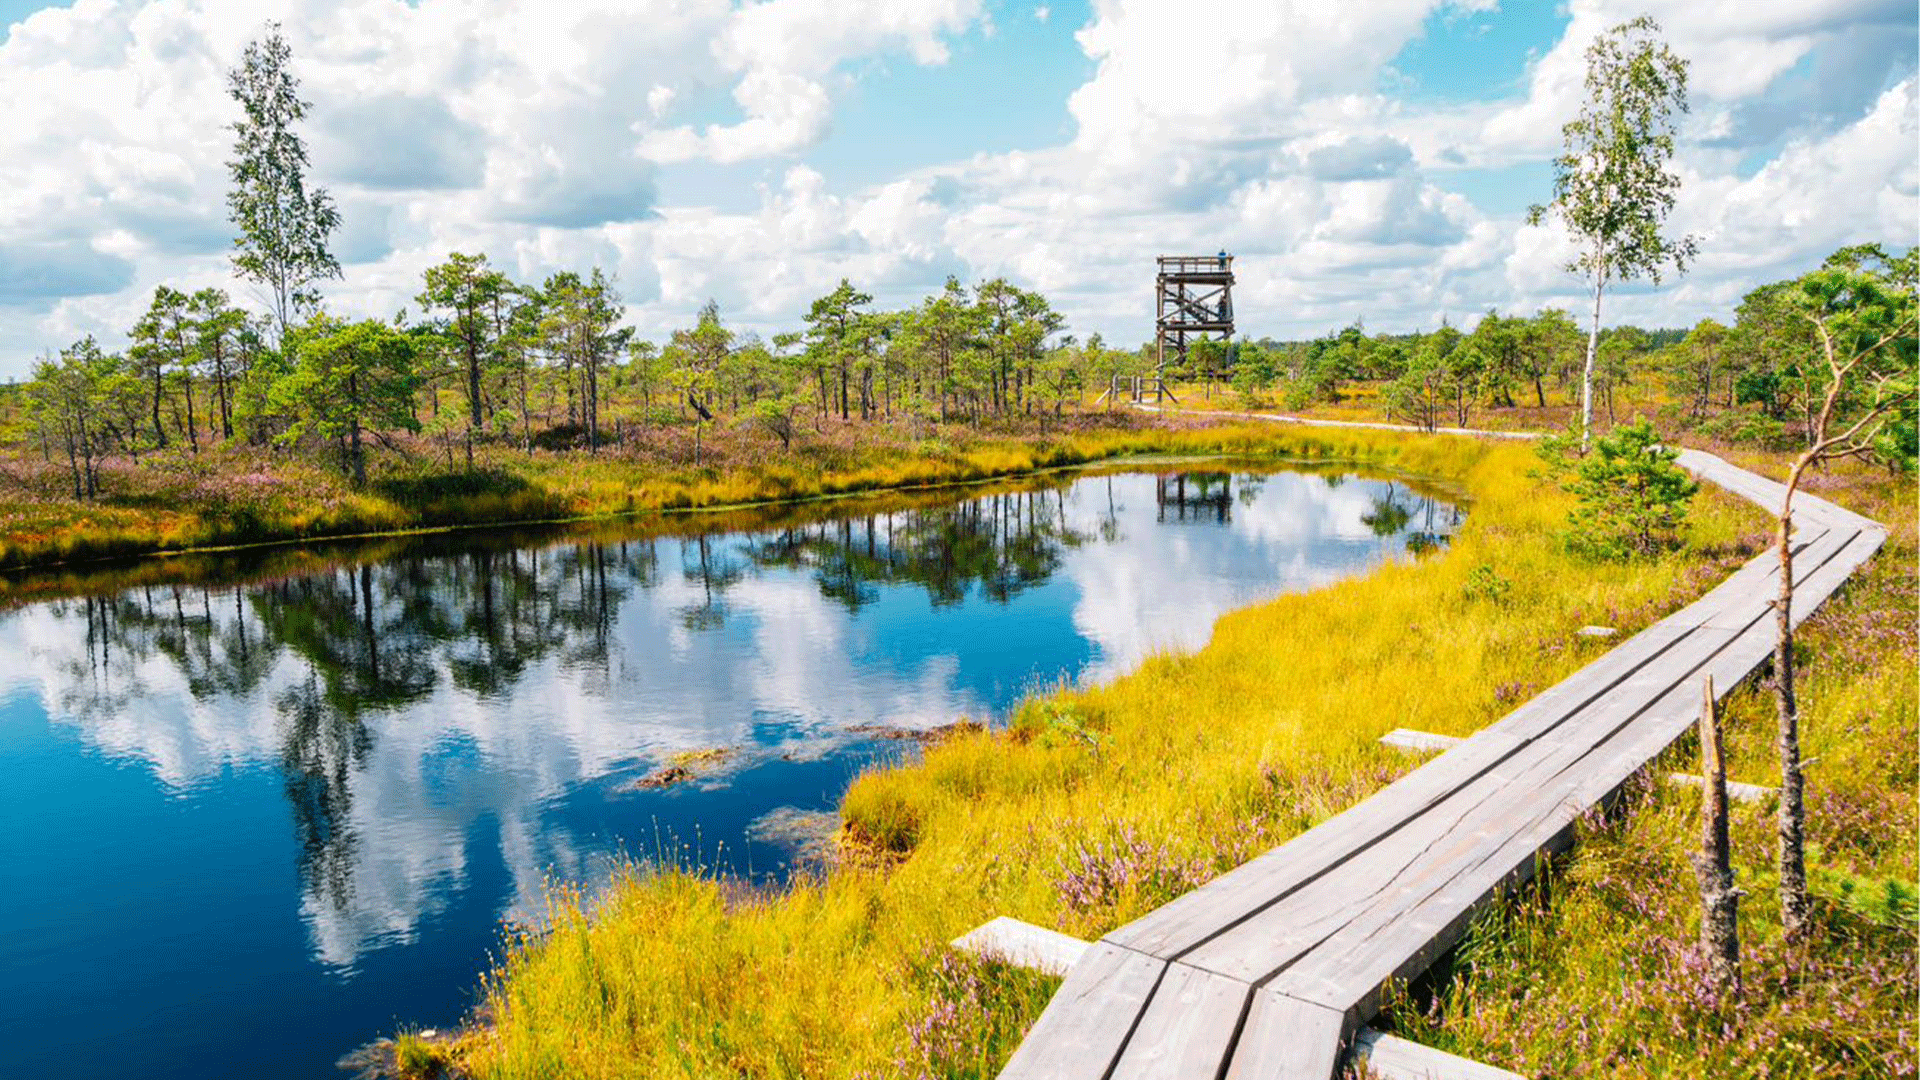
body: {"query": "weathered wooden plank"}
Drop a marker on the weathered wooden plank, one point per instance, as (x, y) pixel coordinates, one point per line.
(1526, 805)
(1490, 842)
(1267, 879)
(1288, 1039)
(1188, 1028)
(1192, 919)
(1023, 945)
(1420, 741)
(1388, 1056)
(1426, 742)
(1254, 940)
(1352, 968)
(1370, 949)
(1814, 588)
(1391, 1057)
(1091, 1016)
(1818, 571)
(1758, 578)
(1737, 791)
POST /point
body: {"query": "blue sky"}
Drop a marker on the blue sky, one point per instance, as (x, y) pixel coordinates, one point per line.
(1368, 161)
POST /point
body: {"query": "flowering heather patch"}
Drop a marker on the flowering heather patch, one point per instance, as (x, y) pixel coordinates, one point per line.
(969, 1015)
(175, 500)
(1597, 971)
(1105, 872)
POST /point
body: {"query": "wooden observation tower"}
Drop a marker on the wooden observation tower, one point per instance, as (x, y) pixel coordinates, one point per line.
(1193, 298)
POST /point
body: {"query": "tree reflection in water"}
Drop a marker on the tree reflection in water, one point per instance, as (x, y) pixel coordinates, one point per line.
(568, 661)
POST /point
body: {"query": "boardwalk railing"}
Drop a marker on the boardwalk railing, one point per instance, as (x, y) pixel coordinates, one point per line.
(1269, 970)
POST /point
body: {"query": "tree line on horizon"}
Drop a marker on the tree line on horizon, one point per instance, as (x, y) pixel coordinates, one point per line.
(1757, 381)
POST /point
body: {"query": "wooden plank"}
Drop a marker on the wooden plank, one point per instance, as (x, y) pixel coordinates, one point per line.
(1347, 976)
(1195, 917)
(1737, 791)
(1812, 590)
(1190, 920)
(1818, 572)
(1023, 945)
(1755, 582)
(1489, 840)
(1632, 696)
(1421, 741)
(1288, 1039)
(1391, 1057)
(1188, 1028)
(1090, 1018)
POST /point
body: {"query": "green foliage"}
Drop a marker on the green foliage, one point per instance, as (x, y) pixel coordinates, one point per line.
(284, 225)
(1862, 307)
(1748, 427)
(1485, 583)
(476, 301)
(1612, 185)
(580, 327)
(1440, 382)
(350, 378)
(163, 340)
(86, 403)
(1632, 498)
(1887, 901)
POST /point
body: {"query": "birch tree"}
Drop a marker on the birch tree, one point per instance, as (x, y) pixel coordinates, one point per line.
(1612, 187)
(284, 224)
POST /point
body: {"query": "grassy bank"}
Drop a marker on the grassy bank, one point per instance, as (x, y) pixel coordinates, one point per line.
(234, 496)
(1097, 805)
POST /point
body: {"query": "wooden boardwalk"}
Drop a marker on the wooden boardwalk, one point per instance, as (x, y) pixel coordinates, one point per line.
(1268, 970)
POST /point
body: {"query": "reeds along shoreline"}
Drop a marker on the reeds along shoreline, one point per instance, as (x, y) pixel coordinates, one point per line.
(240, 497)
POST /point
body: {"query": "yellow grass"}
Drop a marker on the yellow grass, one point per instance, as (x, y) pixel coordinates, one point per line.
(1090, 808)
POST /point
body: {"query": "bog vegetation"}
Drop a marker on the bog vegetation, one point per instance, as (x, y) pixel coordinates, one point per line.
(492, 399)
(1095, 805)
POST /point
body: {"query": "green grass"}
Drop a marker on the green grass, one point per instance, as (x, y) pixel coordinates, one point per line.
(418, 1058)
(1094, 806)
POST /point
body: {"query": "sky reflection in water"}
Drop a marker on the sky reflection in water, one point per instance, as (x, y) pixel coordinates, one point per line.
(447, 726)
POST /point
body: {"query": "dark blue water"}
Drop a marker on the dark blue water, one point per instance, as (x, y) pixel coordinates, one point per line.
(251, 821)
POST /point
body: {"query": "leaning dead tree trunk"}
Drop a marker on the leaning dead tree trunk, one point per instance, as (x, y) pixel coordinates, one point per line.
(1719, 899)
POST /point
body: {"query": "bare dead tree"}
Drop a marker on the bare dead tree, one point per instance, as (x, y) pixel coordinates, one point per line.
(1719, 898)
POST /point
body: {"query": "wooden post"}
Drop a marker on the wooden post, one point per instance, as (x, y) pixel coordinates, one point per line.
(1719, 899)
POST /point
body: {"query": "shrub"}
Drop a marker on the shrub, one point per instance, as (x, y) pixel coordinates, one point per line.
(1632, 497)
(1748, 427)
(1483, 583)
